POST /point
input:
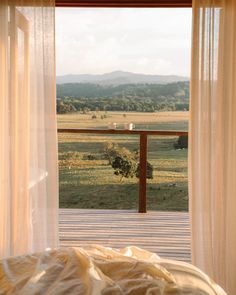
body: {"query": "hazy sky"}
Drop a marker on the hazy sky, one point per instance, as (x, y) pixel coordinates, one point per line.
(96, 40)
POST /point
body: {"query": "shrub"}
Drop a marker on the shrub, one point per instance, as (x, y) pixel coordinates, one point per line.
(90, 157)
(182, 142)
(149, 171)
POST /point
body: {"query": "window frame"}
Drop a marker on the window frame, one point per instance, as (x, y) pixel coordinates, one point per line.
(125, 3)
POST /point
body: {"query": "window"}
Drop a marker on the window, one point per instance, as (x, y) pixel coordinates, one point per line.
(124, 67)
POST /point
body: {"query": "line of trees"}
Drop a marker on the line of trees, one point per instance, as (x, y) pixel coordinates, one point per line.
(122, 105)
(79, 97)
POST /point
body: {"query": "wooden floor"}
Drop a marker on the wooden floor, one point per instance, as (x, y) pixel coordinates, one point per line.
(165, 233)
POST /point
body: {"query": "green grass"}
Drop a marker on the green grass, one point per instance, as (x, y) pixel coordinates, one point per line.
(92, 184)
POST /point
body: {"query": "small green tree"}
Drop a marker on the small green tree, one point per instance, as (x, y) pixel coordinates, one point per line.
(124, 166)
(124, 162)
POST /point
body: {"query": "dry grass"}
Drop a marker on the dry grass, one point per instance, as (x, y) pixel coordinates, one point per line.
(84, 120)
(92, 184)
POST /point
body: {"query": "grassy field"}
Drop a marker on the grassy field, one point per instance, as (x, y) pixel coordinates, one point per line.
(88, 181)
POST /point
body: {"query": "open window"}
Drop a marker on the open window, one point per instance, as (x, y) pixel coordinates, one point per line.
(101, 134)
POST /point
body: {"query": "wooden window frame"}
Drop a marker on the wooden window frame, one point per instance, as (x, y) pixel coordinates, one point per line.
(125, 3)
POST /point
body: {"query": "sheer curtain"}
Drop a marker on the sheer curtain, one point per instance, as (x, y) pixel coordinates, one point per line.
(28, 143)
(213, 140)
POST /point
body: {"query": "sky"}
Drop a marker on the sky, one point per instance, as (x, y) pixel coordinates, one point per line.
(101, 40)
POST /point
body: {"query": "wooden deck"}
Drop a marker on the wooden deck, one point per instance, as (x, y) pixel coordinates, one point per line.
(165, 233)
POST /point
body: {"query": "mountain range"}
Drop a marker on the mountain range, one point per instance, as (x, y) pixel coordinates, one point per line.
(120, 78)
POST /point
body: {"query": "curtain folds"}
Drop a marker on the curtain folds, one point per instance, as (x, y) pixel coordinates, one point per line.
(213, 140)
(28, 142)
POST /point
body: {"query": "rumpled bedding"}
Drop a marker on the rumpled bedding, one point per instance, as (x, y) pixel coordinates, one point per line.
(98, 270)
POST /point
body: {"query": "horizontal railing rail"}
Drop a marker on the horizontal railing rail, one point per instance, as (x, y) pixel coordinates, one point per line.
(123, 131)
(143, 148)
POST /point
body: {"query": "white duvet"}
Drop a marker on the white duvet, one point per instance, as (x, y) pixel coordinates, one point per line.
(97, 270)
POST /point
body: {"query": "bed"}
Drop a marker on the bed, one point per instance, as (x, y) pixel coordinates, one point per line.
(98, 270)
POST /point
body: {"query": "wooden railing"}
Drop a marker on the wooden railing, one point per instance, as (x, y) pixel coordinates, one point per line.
(143, 146)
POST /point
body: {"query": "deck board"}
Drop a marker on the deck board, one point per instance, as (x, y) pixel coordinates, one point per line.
(165, 233)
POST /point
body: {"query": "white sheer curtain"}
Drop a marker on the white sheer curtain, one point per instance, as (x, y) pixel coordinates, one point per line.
(28, 143)
(213, 140)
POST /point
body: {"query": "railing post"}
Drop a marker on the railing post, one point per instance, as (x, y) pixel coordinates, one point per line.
(142, 173)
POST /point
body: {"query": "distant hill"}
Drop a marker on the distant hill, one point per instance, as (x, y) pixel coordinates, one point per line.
(120, 78)
(178, 90)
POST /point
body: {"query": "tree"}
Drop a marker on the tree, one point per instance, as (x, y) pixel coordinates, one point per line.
(110, 151)
(124, 166)
(182, 142)
(149, 171)
(63, 108)
(85, 110)
(124, 162)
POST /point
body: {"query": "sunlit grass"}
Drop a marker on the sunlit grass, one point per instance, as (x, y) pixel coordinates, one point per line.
(88, 181)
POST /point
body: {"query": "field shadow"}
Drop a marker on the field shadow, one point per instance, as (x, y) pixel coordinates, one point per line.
(164, 197)
(112, 196)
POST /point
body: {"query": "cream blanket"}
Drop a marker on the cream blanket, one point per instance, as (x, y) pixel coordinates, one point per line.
(97, 270)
